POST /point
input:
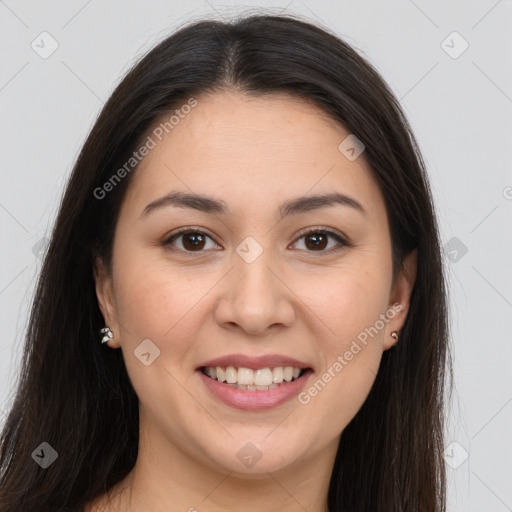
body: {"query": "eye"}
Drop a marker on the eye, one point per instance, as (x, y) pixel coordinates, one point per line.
(193, 240)
(317, 239)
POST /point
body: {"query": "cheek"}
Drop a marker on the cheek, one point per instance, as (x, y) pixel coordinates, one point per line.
(338, 390)
(155, 301)
(151, 297)
(145, 304)
(351, 306)
(350, 302)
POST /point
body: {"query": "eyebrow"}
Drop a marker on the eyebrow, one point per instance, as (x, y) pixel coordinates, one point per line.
(292, 207)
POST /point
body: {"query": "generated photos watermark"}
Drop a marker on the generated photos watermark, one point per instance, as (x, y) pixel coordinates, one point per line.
(150, 143)
(343, 360)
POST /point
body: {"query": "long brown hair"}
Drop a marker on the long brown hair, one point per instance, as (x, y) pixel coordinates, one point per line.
(75, 394)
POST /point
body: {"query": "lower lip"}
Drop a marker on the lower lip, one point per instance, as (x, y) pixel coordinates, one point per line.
(254, 400)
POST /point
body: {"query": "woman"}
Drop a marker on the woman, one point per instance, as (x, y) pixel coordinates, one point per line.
(250, 223)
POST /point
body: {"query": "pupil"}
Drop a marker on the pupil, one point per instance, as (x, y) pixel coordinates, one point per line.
(197, 240)
(318, 240)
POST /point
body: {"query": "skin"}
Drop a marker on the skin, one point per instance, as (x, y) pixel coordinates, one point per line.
(254, 154)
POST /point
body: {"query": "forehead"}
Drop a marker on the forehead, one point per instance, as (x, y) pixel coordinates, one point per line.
(237, 146)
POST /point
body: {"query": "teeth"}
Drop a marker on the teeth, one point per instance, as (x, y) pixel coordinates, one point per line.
(245, 376)
(263, 377)
(255, 388)
(277, 374)
(288, 373)
(231, 375)
(253, 380)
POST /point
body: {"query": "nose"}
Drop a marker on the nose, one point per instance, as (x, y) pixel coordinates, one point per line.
(255, 298)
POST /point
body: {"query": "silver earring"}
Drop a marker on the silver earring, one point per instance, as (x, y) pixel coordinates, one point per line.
(108, 334)
(394, 334)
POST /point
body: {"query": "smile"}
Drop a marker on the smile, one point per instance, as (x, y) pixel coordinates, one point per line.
(247, 379)
(253, 383)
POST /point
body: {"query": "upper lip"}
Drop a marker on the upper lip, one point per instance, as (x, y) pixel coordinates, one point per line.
(255, 362)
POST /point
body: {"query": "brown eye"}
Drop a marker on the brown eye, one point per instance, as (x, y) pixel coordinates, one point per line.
(191, 241)
(317, 240)
(196, 241)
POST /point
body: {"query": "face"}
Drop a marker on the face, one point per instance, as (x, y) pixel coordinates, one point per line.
(256, 284)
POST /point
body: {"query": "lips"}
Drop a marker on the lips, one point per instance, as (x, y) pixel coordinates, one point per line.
(255, 363)
(254, 383)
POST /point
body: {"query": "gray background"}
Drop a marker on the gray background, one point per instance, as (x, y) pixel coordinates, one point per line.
(460, 109)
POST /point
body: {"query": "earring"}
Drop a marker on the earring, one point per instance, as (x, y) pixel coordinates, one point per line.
(108, 334)
(394, 334)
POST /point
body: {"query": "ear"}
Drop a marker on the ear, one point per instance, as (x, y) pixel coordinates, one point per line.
(105, 296)
(400, 297)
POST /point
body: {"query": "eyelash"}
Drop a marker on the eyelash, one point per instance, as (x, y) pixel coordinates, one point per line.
(321, 229)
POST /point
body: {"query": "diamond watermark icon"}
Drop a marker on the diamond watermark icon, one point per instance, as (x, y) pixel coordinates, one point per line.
(249, 250)
(146, 352)
(249, 454)
(455, 249)
(44, 455)
(40, 247)
(351, 147)
(44, 45)
(454, 45)
(455, 455)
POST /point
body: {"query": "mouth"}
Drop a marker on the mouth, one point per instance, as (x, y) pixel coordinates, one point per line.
(248, 379)
(254, 383)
